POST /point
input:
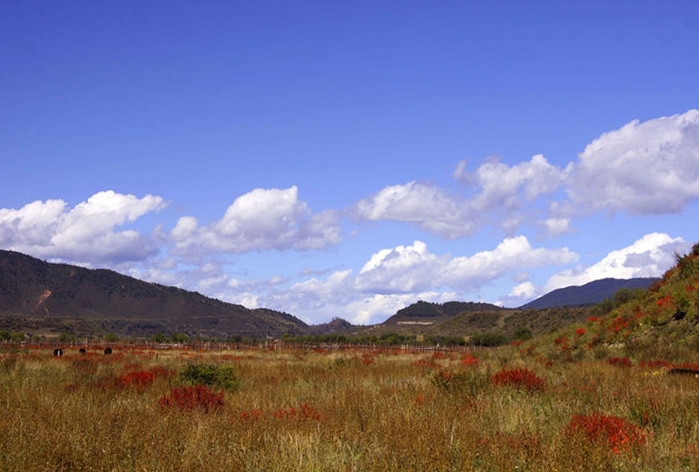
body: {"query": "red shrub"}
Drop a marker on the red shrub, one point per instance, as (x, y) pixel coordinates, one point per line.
(665, 301)
(251, 415)
(686, 365)
(303, 412)
(619, 361)
(616, 432)
(425, 364)
(519, 378)
(367, 359)
(193, 398)
(160, 371)
(469, 360)
(654, 364)
(138, 379)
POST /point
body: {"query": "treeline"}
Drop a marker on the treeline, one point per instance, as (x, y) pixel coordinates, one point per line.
(395, 339)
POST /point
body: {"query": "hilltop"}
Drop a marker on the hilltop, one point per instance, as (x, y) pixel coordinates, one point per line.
(661, 322)
(38, 296)
(590, 293)
(46, 299)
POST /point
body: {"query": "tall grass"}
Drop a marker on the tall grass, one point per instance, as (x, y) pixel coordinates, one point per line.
(315, 411)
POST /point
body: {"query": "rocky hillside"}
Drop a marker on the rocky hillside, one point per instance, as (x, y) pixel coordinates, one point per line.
(37, 295)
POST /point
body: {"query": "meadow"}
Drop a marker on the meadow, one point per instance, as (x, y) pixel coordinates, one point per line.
(497, 409)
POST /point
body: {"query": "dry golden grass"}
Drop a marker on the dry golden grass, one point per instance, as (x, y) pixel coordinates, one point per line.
(319, 411)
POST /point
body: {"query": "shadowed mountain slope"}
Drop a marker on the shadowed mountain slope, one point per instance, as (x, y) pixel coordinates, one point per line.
(589, 294)
(104, 300)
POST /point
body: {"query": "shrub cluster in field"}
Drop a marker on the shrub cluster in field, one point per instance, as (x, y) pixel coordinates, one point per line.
(617, 433)
(198, 393)
(492, 409)
(188, 398)
(217, 376)
(521, 378)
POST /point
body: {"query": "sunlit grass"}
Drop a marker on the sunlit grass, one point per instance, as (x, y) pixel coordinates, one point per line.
(297, 410)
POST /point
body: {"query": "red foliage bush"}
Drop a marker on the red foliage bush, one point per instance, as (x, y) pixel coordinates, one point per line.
(686, 365)
(664, 301)
(619, 361)
(367, 359)
(160, 371)
(138, 379)
(303, 412)
(618, 324)
(469, 360)
(425, 364)
(251, 415)
(198, 397)
(654, 364)
(616, 432)
(520, 378)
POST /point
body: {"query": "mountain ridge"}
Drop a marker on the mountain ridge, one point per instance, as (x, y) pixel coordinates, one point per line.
(590, 293)
(40, 296)
(104, 298)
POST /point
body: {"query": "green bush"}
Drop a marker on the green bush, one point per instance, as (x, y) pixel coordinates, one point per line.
(210, 375)
(488, 339)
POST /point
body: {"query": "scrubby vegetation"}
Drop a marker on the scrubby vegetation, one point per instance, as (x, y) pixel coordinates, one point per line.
(491, 409)
(615, 392)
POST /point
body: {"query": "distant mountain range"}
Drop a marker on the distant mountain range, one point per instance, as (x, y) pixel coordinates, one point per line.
(47, 298)
(82, 301)
(589, 294)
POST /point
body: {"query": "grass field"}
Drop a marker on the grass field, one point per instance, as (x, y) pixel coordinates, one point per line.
(501, 409)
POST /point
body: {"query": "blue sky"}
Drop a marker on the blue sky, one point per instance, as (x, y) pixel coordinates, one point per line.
(350, 158)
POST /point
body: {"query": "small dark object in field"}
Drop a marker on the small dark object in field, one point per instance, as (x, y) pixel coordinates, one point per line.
(108, 350)
(82, 350)
(58, 352)
(693, 372)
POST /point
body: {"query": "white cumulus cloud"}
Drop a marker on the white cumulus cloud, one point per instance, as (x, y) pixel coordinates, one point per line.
(511, 255)
(413, 268)
(506, 186)
(500, 195)
(84, 234)
(262, 219)
(642, 168)
(649, 256)
(421, 204)
(403, 269)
